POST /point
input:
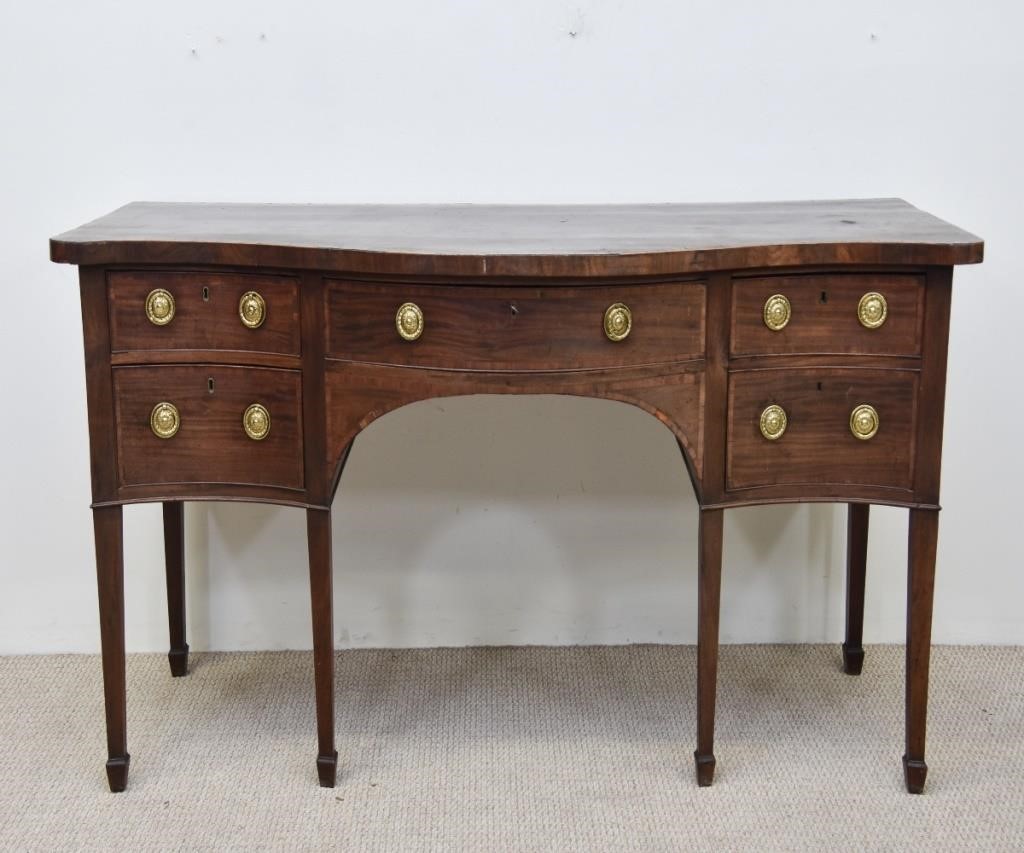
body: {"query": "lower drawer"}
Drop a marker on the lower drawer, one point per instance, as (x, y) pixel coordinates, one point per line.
(209, 424)
(822, 426)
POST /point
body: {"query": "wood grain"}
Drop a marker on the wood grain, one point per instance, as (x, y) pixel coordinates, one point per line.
(521, 240)
(514, 298)
(824, 315)
(856, 576)
(174, 565)
(211, 446)
(206, 312)
(358, 394)
(709, 590)
(818, 447)
(501, 328)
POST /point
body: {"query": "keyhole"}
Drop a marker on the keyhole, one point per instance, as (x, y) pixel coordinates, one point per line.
(515, 311)
(206, 298)
(824, 297)
(819, 386)
(209, 385)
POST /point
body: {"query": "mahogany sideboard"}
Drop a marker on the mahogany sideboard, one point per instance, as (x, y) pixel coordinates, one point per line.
(796, 350)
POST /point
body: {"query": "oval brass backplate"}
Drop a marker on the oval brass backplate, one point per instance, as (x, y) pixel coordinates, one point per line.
(160, 307)
(773, 422)
(409, 321)
(252, 309)
(164, 420)
(864, 421)
(256, 422)
(872, 310)
(618, 321)
(777, 312)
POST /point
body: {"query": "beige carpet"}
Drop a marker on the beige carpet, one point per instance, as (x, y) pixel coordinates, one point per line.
(515, 749)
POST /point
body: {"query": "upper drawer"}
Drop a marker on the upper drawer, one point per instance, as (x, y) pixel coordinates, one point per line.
(203, 310)
(862, 313)
(515, 328)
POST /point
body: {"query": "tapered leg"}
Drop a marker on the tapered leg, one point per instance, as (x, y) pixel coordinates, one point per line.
(856, 569)
(318, 531)
(107, 528)
(709, 583)
(174, 560)
(923, 538)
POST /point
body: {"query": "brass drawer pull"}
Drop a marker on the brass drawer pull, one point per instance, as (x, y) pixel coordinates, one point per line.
(777, 312)
(256, 422)
(872, 310)
(164, 420)
(160, 307)
(409, 321)
(252, 309)
(618, 321)
(864, 422)
(773, 422)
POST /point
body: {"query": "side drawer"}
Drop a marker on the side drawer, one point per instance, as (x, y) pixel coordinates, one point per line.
(207, 429)
(206, 314)
(558, 327)
(817, 442)
(825, 314)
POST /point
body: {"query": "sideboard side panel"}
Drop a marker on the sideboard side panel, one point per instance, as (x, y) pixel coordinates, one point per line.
(932, 399)
(314, 418)
(98, 382)
(716, 380)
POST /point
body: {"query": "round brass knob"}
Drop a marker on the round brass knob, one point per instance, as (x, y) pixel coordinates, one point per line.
(256, 422)
(252, 309)
(409, 321)
(160, 307)
(864, 422)
(618, 322)
(773, 422)
(164, 420)
(872, 310)
(777, 312)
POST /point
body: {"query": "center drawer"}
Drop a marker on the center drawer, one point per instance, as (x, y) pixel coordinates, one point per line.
(515, 328)
(208, 424)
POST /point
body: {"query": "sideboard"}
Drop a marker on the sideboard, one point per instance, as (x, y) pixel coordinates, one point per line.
(796, 350)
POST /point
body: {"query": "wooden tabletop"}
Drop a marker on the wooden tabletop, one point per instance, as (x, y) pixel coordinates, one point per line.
(521, 240)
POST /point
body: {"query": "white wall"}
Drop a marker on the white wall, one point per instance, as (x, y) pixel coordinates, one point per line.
(504, 520)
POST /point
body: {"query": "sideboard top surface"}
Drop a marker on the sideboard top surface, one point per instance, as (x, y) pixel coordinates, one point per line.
(521, 240)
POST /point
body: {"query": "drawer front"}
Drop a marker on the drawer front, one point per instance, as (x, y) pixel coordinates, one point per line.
(210, 444)
(206, 312)
(824, 314)
(818, 444)
(516, 328)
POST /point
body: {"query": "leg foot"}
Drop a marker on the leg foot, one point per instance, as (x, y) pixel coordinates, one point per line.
(856, 570)
(117, 773)
(853, 659)
(174, 563)
(923, 536)
(110, 583)
(705, 769)
(709, 581)
(178, 659)
(326, 769)
(318, 531)
(914, 773)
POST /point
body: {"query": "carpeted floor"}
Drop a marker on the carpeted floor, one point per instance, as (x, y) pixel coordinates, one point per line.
(505, 749)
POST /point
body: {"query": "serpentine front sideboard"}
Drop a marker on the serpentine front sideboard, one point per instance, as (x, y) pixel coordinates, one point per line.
(796, 350)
